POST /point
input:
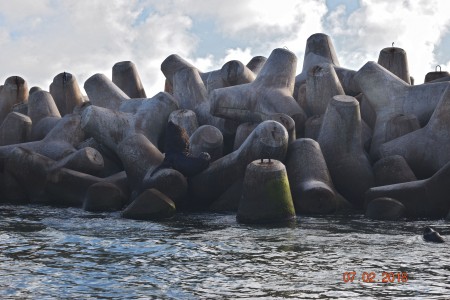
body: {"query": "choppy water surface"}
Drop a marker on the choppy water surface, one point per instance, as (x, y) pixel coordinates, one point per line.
(48, 253)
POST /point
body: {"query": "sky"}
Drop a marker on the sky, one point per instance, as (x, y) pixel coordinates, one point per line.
(39, 39)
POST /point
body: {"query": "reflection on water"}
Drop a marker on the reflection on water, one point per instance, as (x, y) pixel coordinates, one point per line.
(60, 253)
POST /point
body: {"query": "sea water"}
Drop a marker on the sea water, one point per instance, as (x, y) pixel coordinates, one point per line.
(68, 253)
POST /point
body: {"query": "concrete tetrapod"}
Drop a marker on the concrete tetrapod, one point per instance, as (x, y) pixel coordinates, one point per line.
(426, 149)
(385, 209)
(58, 143)
(389, 96)
(391, 170)
(208, 139)
(256, 63)
(319, 49)
(186, 119)
(266, 196)
(340, 141)
(110, 127)
(432, 76)
(426, 198)
(271, 92)
(232, 73)
(104, 93)
(66, 93)
(140, 158)
(399, 125)
(126, 77)
(394, 59)
(43, 113)
(14, 91)
(15, 129)
(190, 92)
(311, 186)
(322, 84)
(150, 205)
(43, 181)
(268, 140)
(174, 63)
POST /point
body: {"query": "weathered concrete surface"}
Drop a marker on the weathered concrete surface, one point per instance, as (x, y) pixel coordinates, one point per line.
(340, 141)
(266, 196)
(232, 73)
(103, 92)
(269, 139)
(66, 93)
(389, 96)
(126, 77)
(271, 92)
(44, 182)
(208, 139)
(256, 63)
(391, 170)
(13, 91)
(104, 196)
(401, 124)
(423, 198)
(322, 84)
(186, 119)
(395, 60)
(150, 205)
(311, 186)
(426, 149)
(385, 209)
(44, 114)
(110, 127)
(15, 129)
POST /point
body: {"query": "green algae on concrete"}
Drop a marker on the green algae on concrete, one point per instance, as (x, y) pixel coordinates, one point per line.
(266, 196)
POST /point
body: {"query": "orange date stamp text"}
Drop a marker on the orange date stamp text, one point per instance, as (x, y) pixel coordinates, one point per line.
(369, 277)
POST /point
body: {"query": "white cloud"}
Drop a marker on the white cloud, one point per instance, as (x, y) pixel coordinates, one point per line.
(40, 39)
(415, 26)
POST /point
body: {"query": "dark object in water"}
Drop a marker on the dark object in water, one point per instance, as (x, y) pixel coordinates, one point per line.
(430, 235)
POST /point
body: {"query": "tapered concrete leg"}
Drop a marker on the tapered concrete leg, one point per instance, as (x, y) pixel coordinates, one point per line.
(391, 170)
(422, 199)
(14, 91)
(319, 49)
(271, 92)
(256, 64)
(103, 92)
(426, 149)
(242, 133)
(394, 59)
(322, 84)
(340, 141)
(269, 139)
(266, 197)
(126, 77)
(232, 73)
(15, 129)
(389, 96)
(311, 186)
(385, 209)
(66, 93)
(400, 125)
(186, 119)
(44, 114)
(208, 139)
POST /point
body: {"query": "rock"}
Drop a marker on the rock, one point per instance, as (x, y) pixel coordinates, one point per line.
(150, 205)
(266, 196)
